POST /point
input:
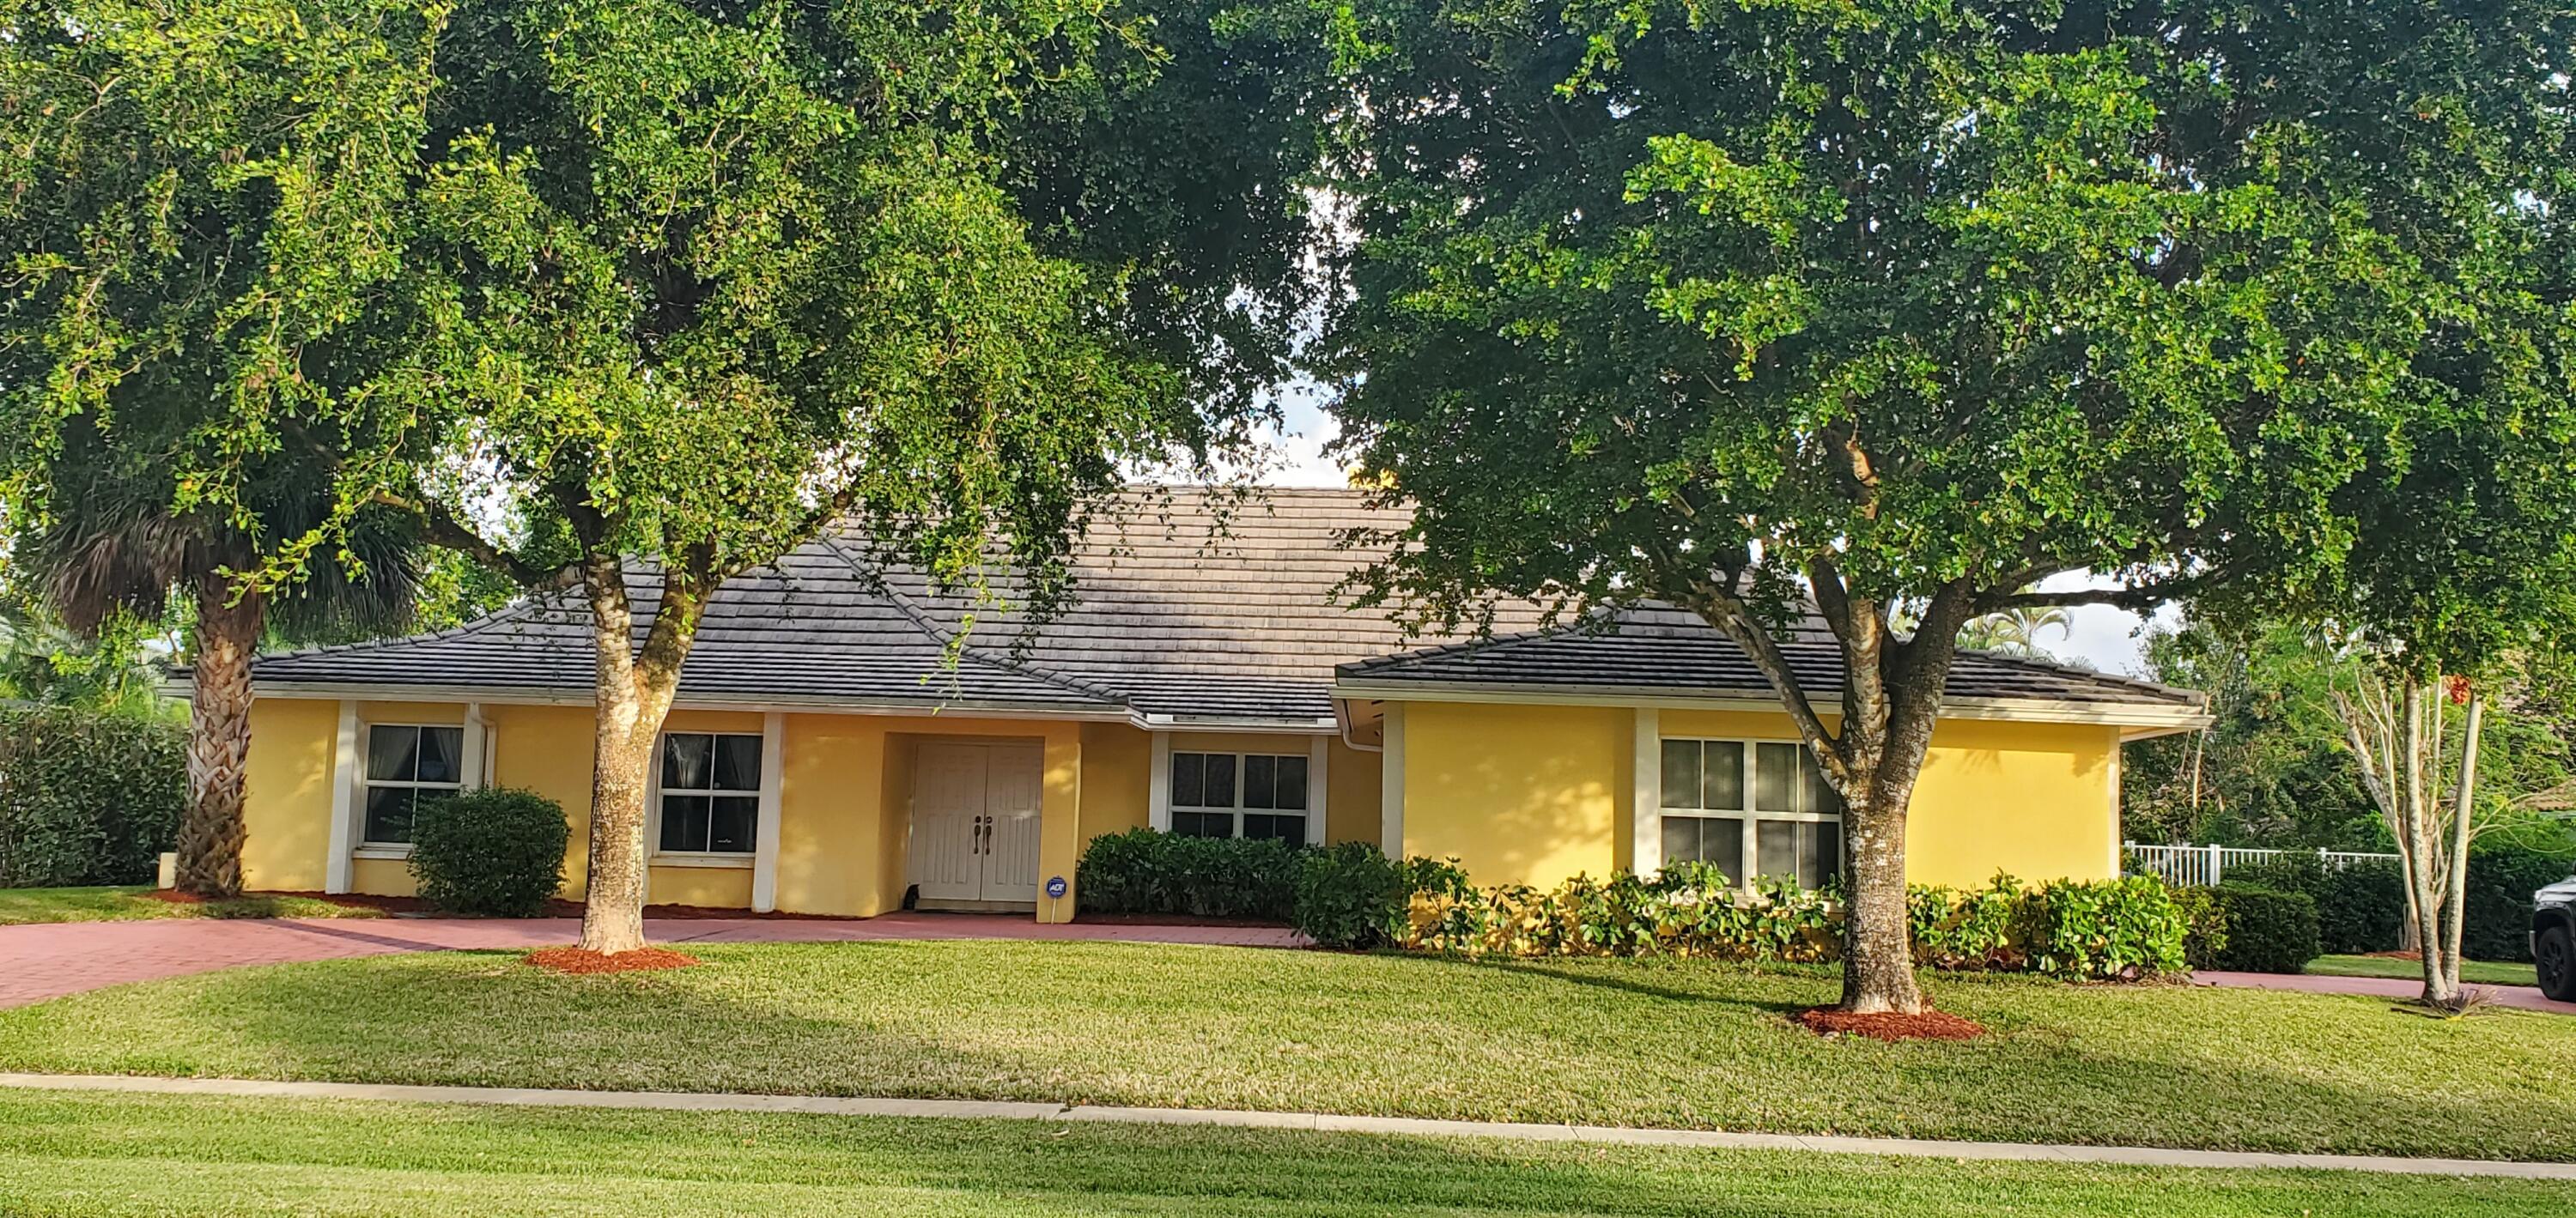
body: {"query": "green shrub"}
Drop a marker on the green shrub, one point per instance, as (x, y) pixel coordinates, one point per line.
(1954, 929)
(1688, 909)
(2361, 905)
(2126, 927)
(2268, 931)
(1350, 896)
(495, 851)
(1150, 872)
(87, 798)
(2204, 925)
(2500, 883)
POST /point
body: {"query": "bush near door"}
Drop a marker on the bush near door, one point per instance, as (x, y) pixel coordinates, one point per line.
(1146, 871)
(87, 798)
(496, 852)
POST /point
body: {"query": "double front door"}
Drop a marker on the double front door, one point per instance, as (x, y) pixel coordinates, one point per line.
(975, 823)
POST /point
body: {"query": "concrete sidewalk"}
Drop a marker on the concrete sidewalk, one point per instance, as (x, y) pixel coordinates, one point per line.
(674, 1101)
(51, 959)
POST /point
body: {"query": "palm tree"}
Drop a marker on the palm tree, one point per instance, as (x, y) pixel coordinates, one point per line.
(113, 543)
(2016, 631)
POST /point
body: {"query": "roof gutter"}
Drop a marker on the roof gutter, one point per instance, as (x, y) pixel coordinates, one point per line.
(2150, 720)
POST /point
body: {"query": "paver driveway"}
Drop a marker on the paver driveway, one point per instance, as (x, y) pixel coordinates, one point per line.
(53, 959)
(2527, 997)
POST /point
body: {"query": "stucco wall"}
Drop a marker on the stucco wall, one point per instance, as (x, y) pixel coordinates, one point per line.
(1535, 794)
(1518, 794)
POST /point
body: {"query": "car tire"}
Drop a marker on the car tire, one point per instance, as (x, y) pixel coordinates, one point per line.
(2554, 957)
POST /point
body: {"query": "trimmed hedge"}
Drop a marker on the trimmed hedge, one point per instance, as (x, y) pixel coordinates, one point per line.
(1149, 872)
(495, 851)
(2361, 906)
(2501, 881)
(87, 798)
(2267, 931)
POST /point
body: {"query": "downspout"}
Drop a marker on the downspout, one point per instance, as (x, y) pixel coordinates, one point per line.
(1342, 719)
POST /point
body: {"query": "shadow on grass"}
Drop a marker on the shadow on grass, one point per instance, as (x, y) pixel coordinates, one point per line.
(1597, 979)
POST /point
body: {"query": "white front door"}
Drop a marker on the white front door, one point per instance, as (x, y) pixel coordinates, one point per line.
(975, 822)
(1012, 783)
(948, 822)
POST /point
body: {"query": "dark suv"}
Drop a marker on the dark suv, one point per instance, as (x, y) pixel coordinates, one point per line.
(2553, 938)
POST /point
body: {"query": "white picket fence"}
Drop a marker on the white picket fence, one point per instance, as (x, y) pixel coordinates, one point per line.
(2209, 864)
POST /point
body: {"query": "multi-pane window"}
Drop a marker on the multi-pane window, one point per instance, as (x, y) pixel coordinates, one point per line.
(710, 792)
(406, 767)
(1239, 795)
(1751, 808)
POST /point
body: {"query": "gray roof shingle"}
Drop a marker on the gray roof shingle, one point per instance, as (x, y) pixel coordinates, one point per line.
(1657, 648)
(1188, 604)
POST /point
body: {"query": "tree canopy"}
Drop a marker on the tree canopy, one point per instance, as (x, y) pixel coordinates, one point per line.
(1906, 307)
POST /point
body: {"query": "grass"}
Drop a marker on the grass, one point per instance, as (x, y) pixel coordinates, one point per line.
(19, 906)
(1660, 1043)
(2472, 972)
(92, 1154)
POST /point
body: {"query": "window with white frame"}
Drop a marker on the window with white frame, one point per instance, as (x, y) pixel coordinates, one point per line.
(407, 766)
(710, 792)
(1752, 808)
(1239, 795)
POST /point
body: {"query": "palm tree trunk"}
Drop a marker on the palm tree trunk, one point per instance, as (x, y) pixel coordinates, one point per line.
(210, 835)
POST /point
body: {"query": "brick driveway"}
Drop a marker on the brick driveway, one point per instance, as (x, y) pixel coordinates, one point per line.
(2526, 997)
(54, 959)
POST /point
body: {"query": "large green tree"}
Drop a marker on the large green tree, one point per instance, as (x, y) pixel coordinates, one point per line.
(190, 196)
(680, 284)
(1906, 307)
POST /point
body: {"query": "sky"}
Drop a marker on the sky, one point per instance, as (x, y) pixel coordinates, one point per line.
(2103, 638)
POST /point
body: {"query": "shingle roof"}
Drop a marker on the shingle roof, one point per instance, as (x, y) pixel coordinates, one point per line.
(1188, 604)
(1656, 648)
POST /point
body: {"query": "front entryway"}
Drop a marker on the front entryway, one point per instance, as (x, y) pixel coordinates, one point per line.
(975, 824)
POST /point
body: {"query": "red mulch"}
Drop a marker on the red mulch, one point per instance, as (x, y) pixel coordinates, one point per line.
(1888, 1026)
(2412, 956)
(583, 960)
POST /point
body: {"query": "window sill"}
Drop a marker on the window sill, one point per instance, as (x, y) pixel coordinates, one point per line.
(399, 850)
(720, 861)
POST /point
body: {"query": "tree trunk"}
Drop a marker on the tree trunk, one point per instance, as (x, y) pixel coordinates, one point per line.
(1892, 694)
(2421, 846)
(634, 693)
(210, 835)
(2456, 881)
(1878, 952)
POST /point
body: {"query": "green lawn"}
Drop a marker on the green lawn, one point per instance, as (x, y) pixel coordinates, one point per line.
(2472, 972)
(1671, 1043)
(23, 905)
(92, 1154)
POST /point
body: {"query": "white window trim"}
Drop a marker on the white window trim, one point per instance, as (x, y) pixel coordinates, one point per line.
(468, 759)
(762, 820)
(1650, 792)
(1158, 786)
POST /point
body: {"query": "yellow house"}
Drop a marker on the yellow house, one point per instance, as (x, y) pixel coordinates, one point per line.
(824, 757)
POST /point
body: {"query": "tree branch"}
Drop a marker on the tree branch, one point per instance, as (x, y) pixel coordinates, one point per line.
(444, 528)
(1722, 608)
